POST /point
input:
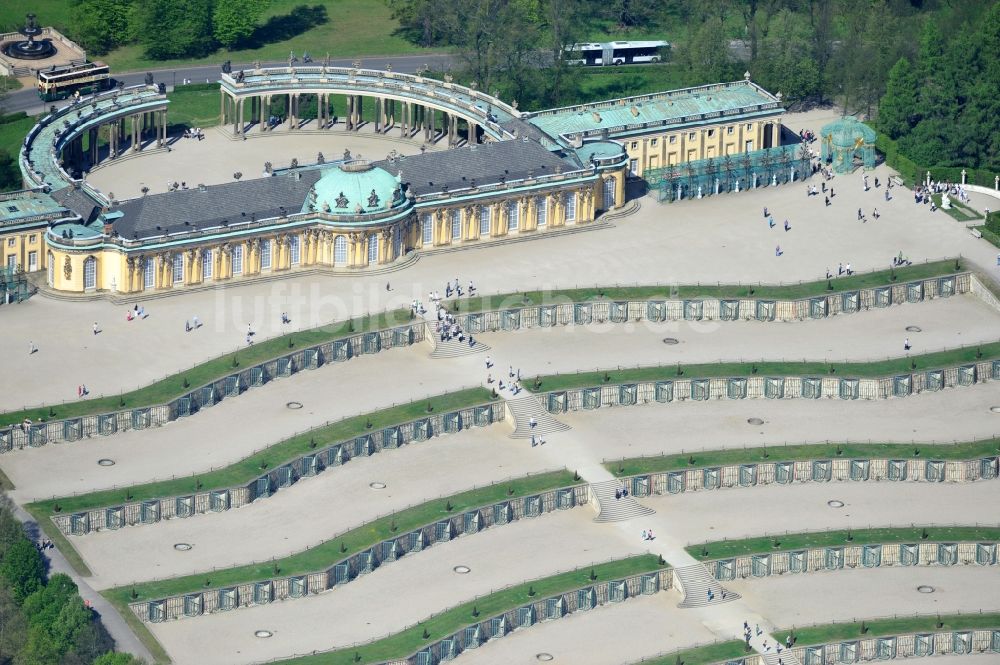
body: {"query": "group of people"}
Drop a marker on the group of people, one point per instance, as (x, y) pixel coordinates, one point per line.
(173, 185)
(137, 312)
(194, 133)
(748, 635)
(513, 380)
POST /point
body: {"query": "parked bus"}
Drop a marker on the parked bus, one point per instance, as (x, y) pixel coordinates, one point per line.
(62, 82)
(616, 53)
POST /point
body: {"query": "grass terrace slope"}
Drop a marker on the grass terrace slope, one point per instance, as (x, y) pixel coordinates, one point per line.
(724, 549)
(791, 453)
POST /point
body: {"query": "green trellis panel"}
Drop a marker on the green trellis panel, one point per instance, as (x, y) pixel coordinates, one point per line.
(766, 310)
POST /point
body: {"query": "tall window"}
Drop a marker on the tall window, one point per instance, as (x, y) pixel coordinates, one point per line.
(513, 215)
(265, 254)
(52, 269)
(372, 249)
(177, 268)
(238, 260)
(484, 222)
(456, 224)
(293, 250)
(149, 274)
(206, 264)
(32, 261)
(397, 242)
(427, 228)
(90, 273)
(541, 206)
(570, 206)
(12, 262)
(340, 251)
(609, 193)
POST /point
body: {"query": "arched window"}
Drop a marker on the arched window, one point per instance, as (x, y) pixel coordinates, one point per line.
(89, 273)
(372, 249)
(340, 251)
(456, 224)
(265, 254)
(294, 251)
(52, 268)
(148, 274)
(177, 269)
(541, 207)
(484, 222)
(513, 215)
(237, 258)
(206, 264)
(570, 206)
(609, 194)
(427, 230)
(397, 242)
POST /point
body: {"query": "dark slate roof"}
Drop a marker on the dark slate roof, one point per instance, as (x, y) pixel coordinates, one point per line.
(486, 164)
(77, 201)
(263, 197)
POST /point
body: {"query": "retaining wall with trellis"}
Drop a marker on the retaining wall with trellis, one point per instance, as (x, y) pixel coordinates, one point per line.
(811, 471)
(849, 556)
(19, 436)
(151, 511)
(350, 568)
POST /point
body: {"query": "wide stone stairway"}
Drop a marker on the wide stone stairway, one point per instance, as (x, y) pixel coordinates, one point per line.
(695, 582)
(524, 409)
(455, 349)
(616, 510)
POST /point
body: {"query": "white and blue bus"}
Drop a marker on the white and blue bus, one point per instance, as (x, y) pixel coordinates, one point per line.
(616, 53)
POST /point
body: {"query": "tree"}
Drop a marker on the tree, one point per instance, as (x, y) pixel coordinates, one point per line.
(171, 29)
(22, 569)
(234, 20)
(102, 25)
(898, 112)
(112, 658)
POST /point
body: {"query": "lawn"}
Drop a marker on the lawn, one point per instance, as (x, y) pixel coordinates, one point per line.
(958, 211)
(12, 133)
(724, 549)
(888, 367)
(55, 13)
(342, 28)
(673, 291)
(786, 453)
(349, 543)
(194, 105)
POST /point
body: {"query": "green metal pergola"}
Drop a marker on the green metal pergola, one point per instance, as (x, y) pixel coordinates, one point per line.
(734, 173)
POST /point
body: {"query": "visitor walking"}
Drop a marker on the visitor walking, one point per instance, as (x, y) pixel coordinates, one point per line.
(96, 329)
(777, 250)
(906, 344)
(32, 348)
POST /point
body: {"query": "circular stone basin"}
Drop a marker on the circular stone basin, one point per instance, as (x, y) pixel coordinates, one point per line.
(544, 656)
(106, 462)
(377, 486)
(995, 409)
(925, 588)
(294, 405)
(183, 547)
(913, 329)
(835, 503)
(666, 340)
(462, 570)
(755, 421)
(262, 633)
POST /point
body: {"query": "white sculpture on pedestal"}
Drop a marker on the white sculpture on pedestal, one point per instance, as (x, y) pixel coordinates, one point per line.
(945, 201)
(699, 191)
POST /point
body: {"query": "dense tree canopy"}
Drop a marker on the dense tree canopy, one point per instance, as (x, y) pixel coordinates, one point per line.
(44, 622)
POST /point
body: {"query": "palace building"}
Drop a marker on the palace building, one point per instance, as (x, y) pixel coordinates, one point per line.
(505, 174)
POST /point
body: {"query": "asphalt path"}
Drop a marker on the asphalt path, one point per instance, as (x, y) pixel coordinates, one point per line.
(27, 99)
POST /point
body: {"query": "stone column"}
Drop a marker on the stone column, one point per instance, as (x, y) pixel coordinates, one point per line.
(93, 147)
(378, 115)
(358, 109)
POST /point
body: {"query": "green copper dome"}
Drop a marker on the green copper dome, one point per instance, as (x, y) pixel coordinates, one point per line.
(355, 188)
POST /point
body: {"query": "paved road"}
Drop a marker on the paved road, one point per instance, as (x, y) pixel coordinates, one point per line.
(27, 99)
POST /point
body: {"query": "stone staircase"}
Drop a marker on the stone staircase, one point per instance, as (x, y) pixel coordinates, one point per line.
(455, 349)
(524, 409)
(784, 658)
(611, 509)
(695, 581)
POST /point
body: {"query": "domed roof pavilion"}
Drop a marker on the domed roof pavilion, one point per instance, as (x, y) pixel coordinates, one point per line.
(844, 139)
(355, 188)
